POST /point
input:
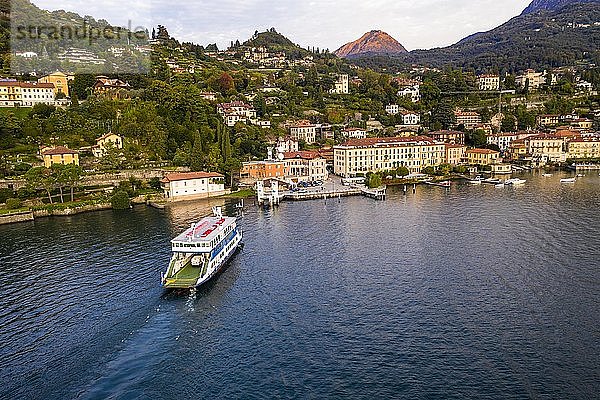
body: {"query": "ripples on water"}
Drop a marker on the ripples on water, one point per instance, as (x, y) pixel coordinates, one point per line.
(477, 292)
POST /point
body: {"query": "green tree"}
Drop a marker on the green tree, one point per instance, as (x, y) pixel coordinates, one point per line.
(120, 200)
(40, 178)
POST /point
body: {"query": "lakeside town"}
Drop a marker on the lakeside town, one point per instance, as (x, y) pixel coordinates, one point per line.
(207, 122)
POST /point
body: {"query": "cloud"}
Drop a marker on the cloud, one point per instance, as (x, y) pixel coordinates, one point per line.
(423, 24)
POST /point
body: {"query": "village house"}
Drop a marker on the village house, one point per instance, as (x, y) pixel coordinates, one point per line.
(503, 140)
(113, 88)
(531, 79)
(305, 166)
(392, 109)
(193, 185)
(354, 133)
(489, 82)
(517, 150)
(583, 148)
(210, 96)
(410, 118)
(413, 92)
(544, 149)
(582, 124)
(452, 137)
(253, 171)
(286, 145)
(236, 111)
(469, 119)
(481, 156)
(359, 156)
(60, 155)
(455, 153)
(546, 120)
(105, 142)
(304, 130)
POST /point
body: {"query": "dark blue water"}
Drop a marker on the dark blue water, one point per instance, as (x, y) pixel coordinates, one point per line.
(478, 292)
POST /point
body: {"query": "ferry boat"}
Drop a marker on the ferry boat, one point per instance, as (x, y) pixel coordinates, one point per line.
(201, 251)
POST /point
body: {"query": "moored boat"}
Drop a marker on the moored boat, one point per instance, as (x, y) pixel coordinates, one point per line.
(445, 184)
(515, 181)
(476, 181)
(201, 251)
(546, 175)
(568, 180)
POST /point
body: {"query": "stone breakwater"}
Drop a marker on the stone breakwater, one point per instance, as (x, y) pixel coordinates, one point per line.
(25, 216)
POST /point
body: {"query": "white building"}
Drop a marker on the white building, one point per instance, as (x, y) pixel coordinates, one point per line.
(236, 111)
(392, 109)
(304, 130)
(410, 118)
(341, 85)
(413, 92)
(286, 145)
(489, 82)
(354, 133)
(531, 78)
(193, 185)
(25, 94)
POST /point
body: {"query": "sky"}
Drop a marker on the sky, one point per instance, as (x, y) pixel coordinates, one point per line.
(417, 24)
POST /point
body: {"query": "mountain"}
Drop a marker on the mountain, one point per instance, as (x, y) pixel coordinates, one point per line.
(552, 5)
(540, 39)
(371, 43)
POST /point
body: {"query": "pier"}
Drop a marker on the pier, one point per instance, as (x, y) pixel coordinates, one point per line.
(268, 192)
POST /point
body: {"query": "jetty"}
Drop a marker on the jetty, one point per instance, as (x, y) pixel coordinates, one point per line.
(270, 192)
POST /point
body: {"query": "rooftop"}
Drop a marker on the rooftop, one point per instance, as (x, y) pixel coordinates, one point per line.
(184, 176)
(59, 150)
(368, 142)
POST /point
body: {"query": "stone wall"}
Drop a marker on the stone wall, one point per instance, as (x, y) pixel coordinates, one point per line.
(16, 217)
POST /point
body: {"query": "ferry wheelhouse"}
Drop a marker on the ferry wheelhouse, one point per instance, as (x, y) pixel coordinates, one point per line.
(201, 251)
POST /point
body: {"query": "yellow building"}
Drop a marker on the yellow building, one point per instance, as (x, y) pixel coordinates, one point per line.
(107, 141)
(455, 153)
(582, 148)
(60, 155)
(60, 81)
(482, 156)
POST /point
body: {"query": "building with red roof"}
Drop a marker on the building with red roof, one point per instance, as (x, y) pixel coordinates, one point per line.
(60, 155)
(193, 185)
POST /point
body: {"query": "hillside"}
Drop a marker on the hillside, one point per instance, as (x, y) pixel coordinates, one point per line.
(275, 41)
(56, 40)
(542, 39)
(371, 43)
(552, 5)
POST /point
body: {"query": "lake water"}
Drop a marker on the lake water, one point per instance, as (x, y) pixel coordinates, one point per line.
(476, 292)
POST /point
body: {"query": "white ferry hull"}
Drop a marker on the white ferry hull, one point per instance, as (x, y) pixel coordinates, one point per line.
(220, 265)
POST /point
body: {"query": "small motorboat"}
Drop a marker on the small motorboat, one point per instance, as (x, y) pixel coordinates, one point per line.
(499, 185)
(546, 175)
(445, 184)
(515, 181)
(568, 180)
(476, 181)
(580, 175)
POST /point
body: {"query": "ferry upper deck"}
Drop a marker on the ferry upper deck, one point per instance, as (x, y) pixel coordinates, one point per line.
(203, 236)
